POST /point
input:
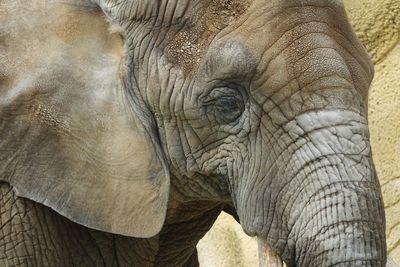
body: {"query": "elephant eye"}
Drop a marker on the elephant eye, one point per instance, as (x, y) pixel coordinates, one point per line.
(226, 104)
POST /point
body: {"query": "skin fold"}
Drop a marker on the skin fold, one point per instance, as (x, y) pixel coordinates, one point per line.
(128, 126)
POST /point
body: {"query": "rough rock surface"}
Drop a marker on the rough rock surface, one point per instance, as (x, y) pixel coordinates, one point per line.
(384, 117)
(226, 245)
(377, 24)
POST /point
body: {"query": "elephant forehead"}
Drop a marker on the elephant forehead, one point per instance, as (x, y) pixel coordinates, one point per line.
(288, 40)
(186, 45)
(229, 59)
(258, 25)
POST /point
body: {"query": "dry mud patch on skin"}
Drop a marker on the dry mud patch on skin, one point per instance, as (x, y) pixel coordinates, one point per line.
(186, 47)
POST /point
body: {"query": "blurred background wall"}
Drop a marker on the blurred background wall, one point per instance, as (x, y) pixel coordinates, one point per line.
(377, 24)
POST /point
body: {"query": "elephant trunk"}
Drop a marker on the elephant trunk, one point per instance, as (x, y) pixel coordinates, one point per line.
(341, 225)
(323, 205)
(338, 219)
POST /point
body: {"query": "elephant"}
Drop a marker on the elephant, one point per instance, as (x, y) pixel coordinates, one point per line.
(128, 126)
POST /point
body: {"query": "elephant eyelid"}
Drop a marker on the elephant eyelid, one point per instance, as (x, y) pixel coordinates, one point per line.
(226, 83)
(225, 103)
(220, 92)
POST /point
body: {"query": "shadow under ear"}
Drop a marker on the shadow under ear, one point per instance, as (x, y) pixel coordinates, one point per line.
(69, 136)
(231, 211)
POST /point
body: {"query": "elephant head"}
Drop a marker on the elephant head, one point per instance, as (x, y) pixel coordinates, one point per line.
(261, 105)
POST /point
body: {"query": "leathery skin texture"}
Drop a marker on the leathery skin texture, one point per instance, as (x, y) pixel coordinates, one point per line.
(145, 119)
(34, 235)
(377, 25)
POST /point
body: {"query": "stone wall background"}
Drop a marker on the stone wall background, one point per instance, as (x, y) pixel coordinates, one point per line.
(377, 24)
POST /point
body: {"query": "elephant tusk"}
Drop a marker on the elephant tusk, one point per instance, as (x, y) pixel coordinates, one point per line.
(266, 256)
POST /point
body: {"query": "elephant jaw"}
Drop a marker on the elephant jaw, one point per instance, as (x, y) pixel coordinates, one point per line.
(266, 256)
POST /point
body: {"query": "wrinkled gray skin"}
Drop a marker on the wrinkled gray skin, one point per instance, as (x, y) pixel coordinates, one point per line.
(145, 119)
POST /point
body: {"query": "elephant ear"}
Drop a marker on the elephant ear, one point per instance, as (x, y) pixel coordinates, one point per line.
(74, 135)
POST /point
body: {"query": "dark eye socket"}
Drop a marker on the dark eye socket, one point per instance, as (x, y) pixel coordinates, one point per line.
(227, 104)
